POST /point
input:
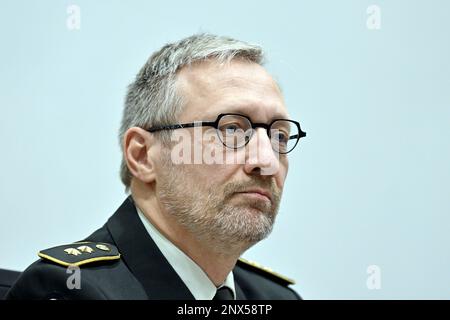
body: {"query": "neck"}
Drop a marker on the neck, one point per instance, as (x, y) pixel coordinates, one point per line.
(216, 263)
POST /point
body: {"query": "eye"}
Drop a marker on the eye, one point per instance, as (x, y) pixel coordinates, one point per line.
(280, 136)
(231, 128)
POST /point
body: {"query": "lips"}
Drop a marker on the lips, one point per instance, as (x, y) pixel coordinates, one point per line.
(259, 193)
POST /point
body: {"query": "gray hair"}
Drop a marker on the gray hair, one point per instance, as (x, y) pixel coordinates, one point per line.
(152, 98)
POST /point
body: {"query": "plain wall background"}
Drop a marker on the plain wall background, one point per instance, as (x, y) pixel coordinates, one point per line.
(368, 186)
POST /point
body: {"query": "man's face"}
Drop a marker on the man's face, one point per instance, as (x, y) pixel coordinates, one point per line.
(222, 202)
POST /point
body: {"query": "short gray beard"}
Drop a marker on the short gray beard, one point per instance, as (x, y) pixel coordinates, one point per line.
(205, 213)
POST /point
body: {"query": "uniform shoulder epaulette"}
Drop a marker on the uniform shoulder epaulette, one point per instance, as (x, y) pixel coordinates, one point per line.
(254, 266)
(80, 253)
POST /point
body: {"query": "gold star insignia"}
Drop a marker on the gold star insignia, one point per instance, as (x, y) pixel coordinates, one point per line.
(102, 247)
(86, 249)
(72, 251)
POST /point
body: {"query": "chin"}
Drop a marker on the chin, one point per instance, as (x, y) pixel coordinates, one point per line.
(256, 207)
(258, 210)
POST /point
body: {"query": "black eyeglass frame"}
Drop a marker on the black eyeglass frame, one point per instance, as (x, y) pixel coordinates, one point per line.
(254, 125)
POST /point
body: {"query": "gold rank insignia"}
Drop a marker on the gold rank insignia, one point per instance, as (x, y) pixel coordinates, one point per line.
(86, 249)
(102, 247)
(72, 251)
(254, 266)
(80, 253)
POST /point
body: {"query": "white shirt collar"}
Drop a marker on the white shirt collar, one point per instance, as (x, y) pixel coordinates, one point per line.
(198, 283)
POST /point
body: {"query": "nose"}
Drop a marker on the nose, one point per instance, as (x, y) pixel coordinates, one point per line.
(260, 157)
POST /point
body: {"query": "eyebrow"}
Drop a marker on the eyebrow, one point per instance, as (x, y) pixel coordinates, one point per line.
(243, 109)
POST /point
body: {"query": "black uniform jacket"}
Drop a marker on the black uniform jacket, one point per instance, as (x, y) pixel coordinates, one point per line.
(121, 261)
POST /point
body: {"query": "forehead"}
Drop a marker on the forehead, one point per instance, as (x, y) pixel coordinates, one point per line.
(210, 88)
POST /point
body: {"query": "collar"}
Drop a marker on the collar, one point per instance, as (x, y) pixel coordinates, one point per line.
(143, 258)
(195, 279)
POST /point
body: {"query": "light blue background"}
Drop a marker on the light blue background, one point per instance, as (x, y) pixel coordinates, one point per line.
(368, 186)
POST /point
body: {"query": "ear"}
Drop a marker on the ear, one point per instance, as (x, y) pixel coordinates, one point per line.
(138, 147)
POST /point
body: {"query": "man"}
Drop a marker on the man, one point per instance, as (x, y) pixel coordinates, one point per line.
(205, 136)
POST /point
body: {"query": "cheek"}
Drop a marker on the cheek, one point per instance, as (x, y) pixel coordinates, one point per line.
(217, 174)
(213, 177)
(282, 174)
(219, 163)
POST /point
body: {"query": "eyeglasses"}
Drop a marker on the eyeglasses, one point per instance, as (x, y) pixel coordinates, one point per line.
(236, 130)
